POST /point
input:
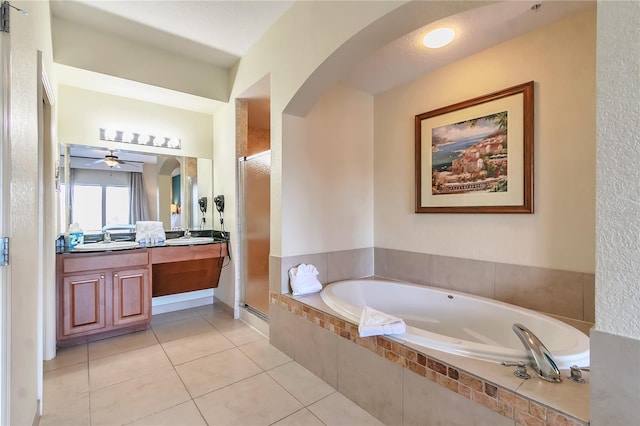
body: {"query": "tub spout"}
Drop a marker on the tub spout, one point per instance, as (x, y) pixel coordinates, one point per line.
(541, 360)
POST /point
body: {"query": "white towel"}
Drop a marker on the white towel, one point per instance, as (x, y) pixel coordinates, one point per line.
(373, 323)
(150, 229)
(303, 279)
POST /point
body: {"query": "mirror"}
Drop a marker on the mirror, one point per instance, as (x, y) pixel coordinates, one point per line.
(107, 193)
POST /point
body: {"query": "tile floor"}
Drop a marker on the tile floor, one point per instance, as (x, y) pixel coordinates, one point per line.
(193, 367)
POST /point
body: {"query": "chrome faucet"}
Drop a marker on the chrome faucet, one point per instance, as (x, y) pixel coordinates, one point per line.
(541, 359)
(106, 237)
(187, 233)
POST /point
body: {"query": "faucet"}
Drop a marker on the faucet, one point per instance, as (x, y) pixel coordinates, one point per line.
(106, 237)
(541, 360)
(187, 233)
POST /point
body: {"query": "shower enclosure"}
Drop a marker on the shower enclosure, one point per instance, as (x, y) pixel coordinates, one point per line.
(255, 197)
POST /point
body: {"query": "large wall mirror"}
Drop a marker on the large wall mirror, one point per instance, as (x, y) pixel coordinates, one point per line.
(109, 190)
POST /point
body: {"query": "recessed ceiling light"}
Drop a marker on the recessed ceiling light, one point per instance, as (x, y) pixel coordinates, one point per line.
(439, 37)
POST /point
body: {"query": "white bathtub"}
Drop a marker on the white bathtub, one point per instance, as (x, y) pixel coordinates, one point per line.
(458, 323)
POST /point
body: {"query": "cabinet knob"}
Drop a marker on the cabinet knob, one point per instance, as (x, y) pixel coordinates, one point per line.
(102, 277)
(115, 275)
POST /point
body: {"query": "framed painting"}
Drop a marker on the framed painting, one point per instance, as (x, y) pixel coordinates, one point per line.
(476, 156)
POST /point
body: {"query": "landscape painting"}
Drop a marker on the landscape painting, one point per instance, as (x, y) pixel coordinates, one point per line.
(476, 156)
(470, 156)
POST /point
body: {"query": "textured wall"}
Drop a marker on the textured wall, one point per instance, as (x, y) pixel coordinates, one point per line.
(560, 59)
(618, 174)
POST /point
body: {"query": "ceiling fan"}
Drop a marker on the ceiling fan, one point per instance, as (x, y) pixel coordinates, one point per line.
(111, 160)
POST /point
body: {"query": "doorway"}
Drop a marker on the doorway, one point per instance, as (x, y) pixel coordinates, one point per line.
(254, 187)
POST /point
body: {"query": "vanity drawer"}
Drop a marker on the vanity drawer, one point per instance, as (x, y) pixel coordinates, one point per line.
(78, 263)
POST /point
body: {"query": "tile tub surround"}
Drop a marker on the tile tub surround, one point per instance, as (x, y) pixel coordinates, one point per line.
(563, 293)
(508, 399)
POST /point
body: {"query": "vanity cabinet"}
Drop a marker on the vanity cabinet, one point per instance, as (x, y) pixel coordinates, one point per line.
(102, 294)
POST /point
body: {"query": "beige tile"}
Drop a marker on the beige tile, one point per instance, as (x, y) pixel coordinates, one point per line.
(466, 275)
(72, 412)
(614, 380)
(444, 406)
(127, 365)
(319, 260)
(547, 290)
(119, 344)
(380, 262)
(221, 320)
(242, 335)
(169, 317)
(178, 329)
(189, 348)
(590, 297)
(185, 414)
(370, 381)
(337, 410)
(301, 383)
(66, 357)
(303, 417)
(67, 383)
(408, 266)
(348, 264)
(137, 398)
(316, 350)
(276, 284)
(281, 332)
(264, 354)
(215, 371)
(255, 401)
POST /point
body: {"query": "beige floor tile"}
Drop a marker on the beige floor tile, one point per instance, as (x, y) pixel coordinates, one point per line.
(178, 329)
(137, 398)
(264, 354)
(119, 344)
(127, 365)
(74, 412)
(221, 320)
(65, 384)
(242, 335)
(174, 316)
(303, 417)
(185, 414)
(301, 383)
(337, 410)
(66, 357)
(258, 400)
(215, 371)
(194, 347)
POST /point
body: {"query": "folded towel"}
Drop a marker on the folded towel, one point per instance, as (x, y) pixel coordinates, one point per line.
(373, 323)
(303, 279)
(150, 232)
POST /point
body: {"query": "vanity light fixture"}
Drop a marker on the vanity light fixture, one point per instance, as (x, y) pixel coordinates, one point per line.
(439, 37)
(112, 135)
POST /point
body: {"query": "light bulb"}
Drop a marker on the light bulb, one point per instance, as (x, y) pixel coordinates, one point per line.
(439, 37)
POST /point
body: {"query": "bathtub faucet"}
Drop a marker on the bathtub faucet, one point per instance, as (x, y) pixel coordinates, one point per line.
(541, 360)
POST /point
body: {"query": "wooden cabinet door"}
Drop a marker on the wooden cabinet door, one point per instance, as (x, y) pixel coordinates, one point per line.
(83, 299)
(131, 296)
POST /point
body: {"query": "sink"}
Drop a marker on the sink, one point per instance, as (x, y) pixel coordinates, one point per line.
(182, 241)
(106, 246)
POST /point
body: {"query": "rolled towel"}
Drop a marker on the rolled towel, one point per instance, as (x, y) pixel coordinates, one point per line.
(374, 323)
(303, 279)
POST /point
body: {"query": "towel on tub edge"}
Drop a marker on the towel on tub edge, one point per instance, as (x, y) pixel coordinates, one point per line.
(374, 323)
(303, 279)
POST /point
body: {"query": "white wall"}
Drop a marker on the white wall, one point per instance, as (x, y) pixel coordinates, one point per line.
(81, 114)
(560, 58)
(618, 178)
(327, 189)
(29, 34)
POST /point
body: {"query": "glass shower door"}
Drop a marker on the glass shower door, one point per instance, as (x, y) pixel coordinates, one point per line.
(255, 174)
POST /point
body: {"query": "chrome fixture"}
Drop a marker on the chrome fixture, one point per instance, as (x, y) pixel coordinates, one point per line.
(541, 359)
(106, 237)
(187, 233)
(112, 135)
(520, 372)
(576, 373)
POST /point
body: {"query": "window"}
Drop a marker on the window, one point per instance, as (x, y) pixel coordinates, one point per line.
(95, 206)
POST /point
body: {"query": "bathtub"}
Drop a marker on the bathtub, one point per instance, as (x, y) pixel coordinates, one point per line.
(458, 323)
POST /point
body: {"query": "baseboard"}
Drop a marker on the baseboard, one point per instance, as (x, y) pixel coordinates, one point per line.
(254, 321)
(177, 302)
